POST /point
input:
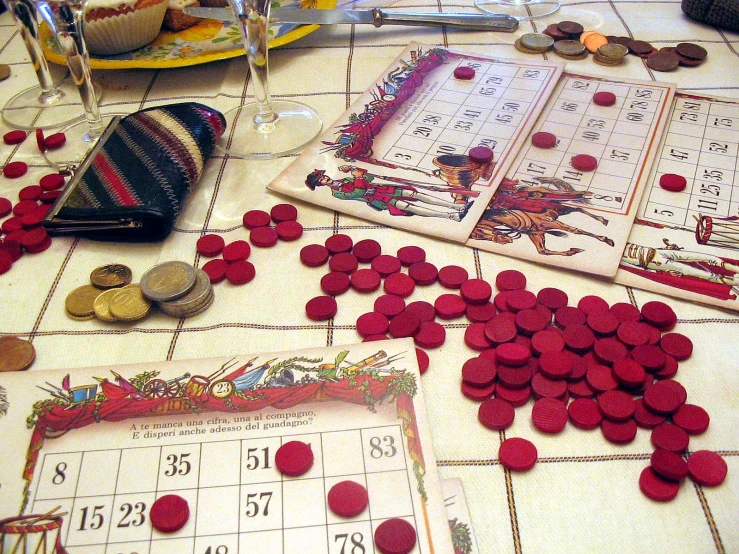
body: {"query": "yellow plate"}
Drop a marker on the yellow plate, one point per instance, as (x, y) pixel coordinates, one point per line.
(208, 41)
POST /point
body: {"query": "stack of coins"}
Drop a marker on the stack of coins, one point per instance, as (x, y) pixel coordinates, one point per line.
(80, 303)
(178, 289)
(570, 49)
(611, 54)
(534, 43)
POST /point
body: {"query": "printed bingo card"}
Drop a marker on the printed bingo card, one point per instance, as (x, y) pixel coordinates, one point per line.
(96, 448)
(404, 154)
(571, 202)
(686, 236)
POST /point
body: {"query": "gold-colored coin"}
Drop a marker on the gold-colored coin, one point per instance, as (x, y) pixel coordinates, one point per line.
(569, 48)
(16, 354)
(102, 306)
(79, 318)
(518, 46)
(606, 61)
(111, 276)
(79, 301)
(537, 41)
(613, 51)
(129, 304)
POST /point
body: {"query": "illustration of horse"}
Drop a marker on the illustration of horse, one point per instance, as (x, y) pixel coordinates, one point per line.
(534, 211)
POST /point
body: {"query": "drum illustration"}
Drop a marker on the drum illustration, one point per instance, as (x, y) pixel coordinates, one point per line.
(32, 534)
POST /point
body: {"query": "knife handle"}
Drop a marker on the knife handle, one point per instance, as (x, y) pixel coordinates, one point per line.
(469, 21)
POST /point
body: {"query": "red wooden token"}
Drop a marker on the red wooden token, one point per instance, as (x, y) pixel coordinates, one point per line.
(578, 338)
(677, 345)
(169, 513)
(389, 304)
(501, 304)
(321, 308)
(645, 418)
(314, 255)
(395, 536)
(496, 414)
(500, 329)
(479, 371)
(657, 313)
(14, 137)
(16, 224)
(673, 182)
(6, 261)
(476, 393)
(24, 207)
(240, 273)
(649, 356)
(629, 373)
(431, 335)
(517, 454)
(664, 398)
(335, 283)
(31, 192)
(13, 170)
(510, 279)
(474, 337)
(549, 415)
(584, 413)
(656, 487)
(579, 368)
(449, 306)
(452, 276)
(464, 72)
(52, 181)
(603, 324)
(542, 139)
(569, 315)
(236, 251)
(411, 254)
(385, 264)
(255, 218)
(49, 196)
(668, 465)
(405, 324)
(423, 273)
(40, 140)
(515, 377)
(216, 270)
(283, 212)
(264, 237)
(707, 468)
(210, 245)
(584, 162)
(372, 323)
(556, 365)
(294, 458)
(520, 299)
(604, 98)
(373, 338)
(54, 141)
(365, 280)
(670, 437)
(600, 378)
(12, 246)
(544, 387)
(633, 333)
(580, 389)
(35, 217)
(339, 243)
(424, 310)
(591, 304)
(532, 321)
(624, 312)
(616, 405)
(345, 262)
(400, 284)
(367, 250)
(347, 499)
(515, 397)
(552, 298)
(6, 206)
(481, 154)
(289, 230)
(476, 291)
(693, 419)
(548, 340)
(480, 313)
(608, 350)
(618, 432)
(34, 239)
(423, 361)
(512, 354)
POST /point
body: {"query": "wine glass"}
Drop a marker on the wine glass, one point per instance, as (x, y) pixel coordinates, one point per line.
(47, 105)
(520, 9)
(265, 128)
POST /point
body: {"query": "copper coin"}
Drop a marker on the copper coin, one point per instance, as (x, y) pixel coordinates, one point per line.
(688, 62)
(595, 41)
(623, 41)
(640, 47)
(570, 27)
(15, 354)
(111, 276)
(663, 61)
(553, 31)
(4, 71)
(690, 50)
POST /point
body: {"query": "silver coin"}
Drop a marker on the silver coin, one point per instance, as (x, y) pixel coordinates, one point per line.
(168, 281)
(195, 298)
(537, 41)
(208, 302)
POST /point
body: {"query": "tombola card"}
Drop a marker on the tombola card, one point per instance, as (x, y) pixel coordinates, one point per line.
(94, 449)
(401, 155)
(460, 523)
(549, 210)
(685, 242)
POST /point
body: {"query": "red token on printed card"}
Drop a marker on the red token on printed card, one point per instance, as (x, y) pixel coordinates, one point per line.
(670, 437)
(530, 322)
(13, 170)
(283, 212)
(479, 372)
(210, 245)
(668, 465)
(569, 315)
(40, 140)
(517, 454)
(57, 140)
(556, 365)
(616, 405)
(365, 280)
(625, 312)
(645, 418)
(549, 415)
(544, 387)
(256, 218)
(314, 255)
(677, 345)
(510, 279)
(629, 373)
(452, 276)
(294, 458)
(600, 378)
(240, 273)
(423, 273)
(512, 354)
(552, 298)
(405, 324)
(578, 338)
(474, 337)
(385, 264)
(515, 397)
(548, 340)
(657, 488)
(31, 192)
(216, 270)
(464, 72)
(389, 304)
(411, 254)
(693, 419)
(424, 310)
(658, 313)
(52, 181)
(321, 308)
(520, 299)
(496, 414)
(345, 262)
(480, 313)
(477, 394)
(367, 250)
(542, 139)
(584, 162)
(604, 98)
(339, 243)
(707, 468)
(476, 291)
(6, 261)
(236, 251)
(372, 323)
(450, 306)
(423, 361)
(335, 283)
(400, 284)
(395, 536)
(14, 137)
(347, 499)
(6, 206)
(481, 154)
(500, 329)
(618, 432)
(263, 237)
(431, 335)
(169, 513)
(584, 414)
(289, 230)
(663, 398)
(673, 182)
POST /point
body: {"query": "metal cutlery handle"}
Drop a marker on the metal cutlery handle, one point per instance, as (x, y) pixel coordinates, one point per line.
(470, 21)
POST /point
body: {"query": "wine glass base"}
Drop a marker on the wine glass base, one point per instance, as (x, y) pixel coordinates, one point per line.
(79, 142)
(520, 9)
(296, 125)
(29, 110)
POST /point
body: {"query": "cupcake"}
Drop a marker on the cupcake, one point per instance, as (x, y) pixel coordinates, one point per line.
(177, 20)
(117, 26)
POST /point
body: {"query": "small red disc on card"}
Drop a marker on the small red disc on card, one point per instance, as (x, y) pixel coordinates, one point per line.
(556, 365)
(367, 250)
(474, 337)
(480, 313)
(500, 329)
(423, 273)
(515, 397)
(510, 279)
(389, 304)
(283, 212)
(475, 291)
(529, 322)
(372, 323)
(405, 324)
(216, 270)
(14, 137)
(542, 139)
(707, 468)
(314, 255)
(608, 350)
(670, 437)
(294, 458)
(604, 98)
(335, 283)
(339, 243)
(449, 306)
(347, 499)
(580, 389)
(464, 72)
(24, 207)
(411, 254)
(210, 245)
(52, 181)
(57, 140)
(584, 162)
(496, 414)
(544, 387)
(365, 280)
(169, 513)
(34, 239)
(619, 432)
(430, 335)
(49, 196)
(395, 536)
(520, 299)
(633, 333)
(236, 251)
(656, 487)
(547, 340)
(549, 415)
(13, 170)
(263, 237)
(321, 308)
(592, 304)
(452, 276)
(584, 413)
(673, 182)
(481, 154)
(385, 264)
(578, 338)
(629, 373)
(16, 224)
(289, 230)
(693, 419)
(517, 454)
(240, 273)
(399, 284)
(256, 218)
(669, 465)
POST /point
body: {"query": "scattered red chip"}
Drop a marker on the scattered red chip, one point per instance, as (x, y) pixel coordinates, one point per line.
(474, 337)
(321, 308)
(512, 354)
(347, 499)
(624, 312)
(40, 140)
(289, 230)
(633, 333)
(6, 206)
(35, 217)
(236, 251)
(578, 338)
(12, 247)
(49, 196)
(283, 212)
(372, 323)
(515, 397)
(600, 378)
(411, 254)
(510, 279)
(210, 245)
(593, 305)
(240, 273)
(335, 283)
(584, 162)
(13, 170)
(423, 273)
(385, 264)
(479, 371)
(517, 454)
(263, 237)
(670, 437)
(604, 98)
(294, 458)
(677, 345)
(616, 405)
(707, 468)
(547, 340)
(216, 270)
(549, 415)
(464, 72)
(662, 398)
(373, 338)
(449, 306)
(256, 218)
(57, 140)
(6, 261)
(529, 322)
(608, 350)
(500, 329)
(31, 192)
(339, 243)
(405, 324)
(14, 137)
(12, 224)
(169, 513)
(657, 488)
(520, 299)
(556, 365)
(569, 315)
(481, 154)
(496, 414)
(424, 310)
(669, 465)
(584, 413)
(542, 139)
(365, 280)
(478, 394)
(657, 313)
(691, 418)
(430, 335)
(580, 389)
(24, 206)
(395, 536)
(552, 298)
(389, 304)
(544, 387)
(52, 181)
(650, 357)
(452, 276)
(673, 182)
(629, 373)
(603, 324)
(314, 255)
(515, 377)
(34, 239)
(367, 250)
(645, 418)
(618, 432)
(423, 361)
(476, 291)
(400, 284)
